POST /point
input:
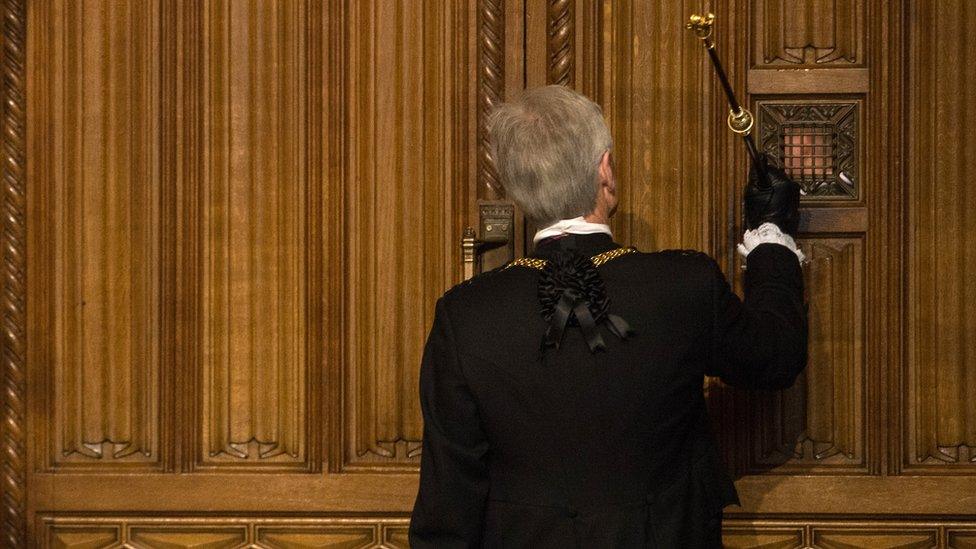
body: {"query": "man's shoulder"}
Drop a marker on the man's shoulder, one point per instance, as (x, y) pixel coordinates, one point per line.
(489, 285)
(671, 261)
(516, 278)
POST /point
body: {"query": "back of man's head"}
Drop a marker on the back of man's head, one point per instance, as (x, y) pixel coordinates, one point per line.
(547, 145)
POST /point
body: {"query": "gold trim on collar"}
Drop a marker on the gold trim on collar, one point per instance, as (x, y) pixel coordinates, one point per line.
(600, 259)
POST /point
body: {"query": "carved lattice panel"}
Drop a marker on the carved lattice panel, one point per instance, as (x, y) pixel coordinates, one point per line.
(815, 142)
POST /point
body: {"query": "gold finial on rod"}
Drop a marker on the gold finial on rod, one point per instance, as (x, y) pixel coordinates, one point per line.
(701, 25)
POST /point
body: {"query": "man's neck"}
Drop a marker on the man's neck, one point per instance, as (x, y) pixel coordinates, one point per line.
(597, 217)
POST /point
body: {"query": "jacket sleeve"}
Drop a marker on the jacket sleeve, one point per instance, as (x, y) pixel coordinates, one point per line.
(453, 472)
(760, 343)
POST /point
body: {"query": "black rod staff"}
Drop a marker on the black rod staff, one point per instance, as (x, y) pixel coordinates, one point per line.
(740, 119)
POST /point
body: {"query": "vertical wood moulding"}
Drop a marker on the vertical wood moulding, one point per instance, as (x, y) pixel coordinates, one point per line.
(316, 155)
(561, 42)
(887, 138)
(589, 49)
(168, 214)
(188, 95)
(335, 125)
(491, 89)
(13, 298)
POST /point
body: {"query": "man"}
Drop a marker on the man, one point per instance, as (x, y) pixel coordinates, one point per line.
(562, 395)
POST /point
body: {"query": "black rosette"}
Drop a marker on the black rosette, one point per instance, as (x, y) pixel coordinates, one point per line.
(571, 293)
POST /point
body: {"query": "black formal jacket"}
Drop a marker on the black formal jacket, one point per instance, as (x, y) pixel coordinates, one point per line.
(604, 449)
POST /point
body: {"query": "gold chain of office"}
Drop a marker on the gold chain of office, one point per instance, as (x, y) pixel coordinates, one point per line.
(599, 259)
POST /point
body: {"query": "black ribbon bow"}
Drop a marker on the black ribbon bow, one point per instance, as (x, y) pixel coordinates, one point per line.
(572, 293)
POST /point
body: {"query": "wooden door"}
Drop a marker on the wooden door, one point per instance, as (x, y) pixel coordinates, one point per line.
(868, 104)
(225, 224)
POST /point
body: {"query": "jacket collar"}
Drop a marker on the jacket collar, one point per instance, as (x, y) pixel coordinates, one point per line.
(586, 245)
(576, 225)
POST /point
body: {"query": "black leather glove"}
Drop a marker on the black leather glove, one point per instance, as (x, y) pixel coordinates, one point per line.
(779, 203)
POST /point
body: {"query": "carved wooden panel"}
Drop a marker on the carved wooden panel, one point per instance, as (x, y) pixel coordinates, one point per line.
(894, 538)
(404, 197)
(301, 537)
(98, 184)
(254, 194)
(751, 537)
(391, 532)
(808, 33)
(170, 537)
(848, 534)
(820, 421)
(250, 209)
(940, 412)
(817, 143)
(223, 532)
(659, 109)
(83, 537)
(956, 539)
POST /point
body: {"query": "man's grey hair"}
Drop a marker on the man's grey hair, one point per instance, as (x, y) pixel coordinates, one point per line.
(547, 145)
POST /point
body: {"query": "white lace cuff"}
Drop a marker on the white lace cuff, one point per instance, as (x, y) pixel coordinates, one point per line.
(768, 233)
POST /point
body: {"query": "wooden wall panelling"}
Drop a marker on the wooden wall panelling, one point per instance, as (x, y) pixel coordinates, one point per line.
(818, 424)
(222, 532)
(793, 42)
(809, 32)
(809, 60)
(755, 537)
(659, 101)
(13, 283)
(407, 156)
(254, 191)
(900, 538)
(848, 534)
(960, 539)
(97, 280)
(313, 531)
(940, 413)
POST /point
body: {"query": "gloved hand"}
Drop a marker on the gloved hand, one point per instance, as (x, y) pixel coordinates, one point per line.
(779, 203)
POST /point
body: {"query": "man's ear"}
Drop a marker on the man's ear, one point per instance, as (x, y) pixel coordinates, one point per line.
(606, 172)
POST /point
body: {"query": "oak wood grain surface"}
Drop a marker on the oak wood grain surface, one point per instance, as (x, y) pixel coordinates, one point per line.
(225, 225)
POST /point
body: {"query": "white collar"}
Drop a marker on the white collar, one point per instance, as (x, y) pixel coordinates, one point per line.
(576, 225)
